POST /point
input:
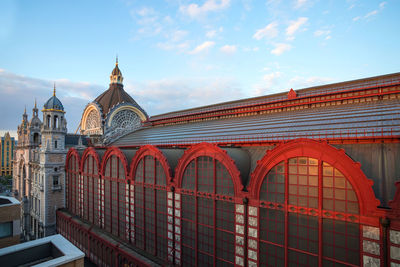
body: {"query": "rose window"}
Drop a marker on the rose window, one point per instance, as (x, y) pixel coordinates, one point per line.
(125, 119)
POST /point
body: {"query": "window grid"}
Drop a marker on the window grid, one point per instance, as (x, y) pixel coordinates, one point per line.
(307, 239)
(208, 223)
(150, 208)
(338, 193)
(303, 182)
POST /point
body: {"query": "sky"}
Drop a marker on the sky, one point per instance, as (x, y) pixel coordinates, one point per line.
(178, 54)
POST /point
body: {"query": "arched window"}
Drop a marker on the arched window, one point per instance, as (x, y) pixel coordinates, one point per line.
(208, 214)
(91, 190)
(72, 181)
(304, 187)
(307, 208)
(114, 197)
(35, 138)
(150, 210)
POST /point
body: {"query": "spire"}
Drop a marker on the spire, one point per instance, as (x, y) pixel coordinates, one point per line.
(35, 110)
(54, 90)
(25, 116)
(116, 75)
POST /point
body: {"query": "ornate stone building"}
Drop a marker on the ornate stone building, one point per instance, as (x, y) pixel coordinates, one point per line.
(38, 180)
(113, 113)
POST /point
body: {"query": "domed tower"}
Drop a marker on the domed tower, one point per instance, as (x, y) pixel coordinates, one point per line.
(112, 113)
(51, 163)
(54, 126)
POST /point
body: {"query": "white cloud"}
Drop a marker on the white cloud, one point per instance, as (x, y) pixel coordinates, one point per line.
(177, 35)
(196, 11)
(202, 47)
(213, 33)
(73, 95)
(300, 3)
(180, 47)
(302, 82)
(269, 81)
(322, 32)
(351, 6)
(294, 26)
(270, 31)
(145, 11)
(372, 13)
(251, 49)
(169, 95)
(228, 49)
(147, 20)
(280, 48)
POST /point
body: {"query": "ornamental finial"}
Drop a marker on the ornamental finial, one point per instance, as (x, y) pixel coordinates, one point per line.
(54, 90)
(116, 61)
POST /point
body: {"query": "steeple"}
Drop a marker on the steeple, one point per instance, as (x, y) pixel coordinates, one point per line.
(35, 110)
(116, 75)
(25, 116)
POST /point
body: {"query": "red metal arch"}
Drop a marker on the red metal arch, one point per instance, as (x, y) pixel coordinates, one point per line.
(213, 151)
(90, 151)
(114, 151)
(149, 150)
(323, 152)
(72, 152)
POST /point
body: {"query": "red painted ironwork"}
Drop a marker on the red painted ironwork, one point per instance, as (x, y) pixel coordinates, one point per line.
(208, 201)
(151, 175)
(97, 248)
(208, 180)
(323, 152)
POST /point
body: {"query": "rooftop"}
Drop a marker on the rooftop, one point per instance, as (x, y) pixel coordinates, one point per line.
(54, 250)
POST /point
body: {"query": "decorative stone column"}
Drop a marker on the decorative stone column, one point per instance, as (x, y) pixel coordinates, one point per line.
(176, 227)
(394, 250)
(240, 236)
(371, 249)
(252, 236)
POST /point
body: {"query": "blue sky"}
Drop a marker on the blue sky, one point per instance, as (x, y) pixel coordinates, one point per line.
(186, 53)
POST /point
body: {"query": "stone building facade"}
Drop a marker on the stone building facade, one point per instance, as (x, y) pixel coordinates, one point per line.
(38, 180)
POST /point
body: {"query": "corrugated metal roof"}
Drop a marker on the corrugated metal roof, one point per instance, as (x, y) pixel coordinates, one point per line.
(383, 80)
(351, 120)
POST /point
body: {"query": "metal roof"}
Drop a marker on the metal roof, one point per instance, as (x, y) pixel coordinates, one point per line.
(367, 119)
(371, 82)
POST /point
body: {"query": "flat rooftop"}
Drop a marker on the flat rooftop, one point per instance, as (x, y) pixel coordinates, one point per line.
(54, 250)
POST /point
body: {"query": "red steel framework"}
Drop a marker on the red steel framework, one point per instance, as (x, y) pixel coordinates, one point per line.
(307, 204)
